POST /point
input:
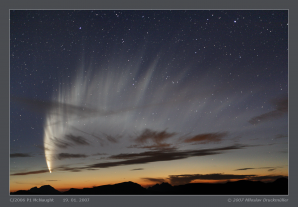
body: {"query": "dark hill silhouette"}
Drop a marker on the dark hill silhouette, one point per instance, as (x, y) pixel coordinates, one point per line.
(161, 188)
(241, 187)
(126, 188)
(43, 190)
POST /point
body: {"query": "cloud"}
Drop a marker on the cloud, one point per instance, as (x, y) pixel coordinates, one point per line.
(137, 169)
(269, 168)
(139, 158)
(268, 177)
(142, 158)
(14, 155)
(155, 180)
(160, 155)
(245, 169)
(155, 136)
(67, 156)
(31, 172)
(113, 139)
(187, 178)
(206, 138)
(154, 146)
(70, 169)
(96, 154)
(78, 140)
(281, 107)
(184, 179)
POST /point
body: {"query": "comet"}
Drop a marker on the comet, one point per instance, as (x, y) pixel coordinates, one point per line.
(106, 102)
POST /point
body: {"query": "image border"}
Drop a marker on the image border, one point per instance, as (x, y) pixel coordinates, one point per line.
(201, 200)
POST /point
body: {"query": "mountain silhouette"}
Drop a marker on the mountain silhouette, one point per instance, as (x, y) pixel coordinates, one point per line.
(126, 188)
(241, 187)
(43, 190)
(161, 188)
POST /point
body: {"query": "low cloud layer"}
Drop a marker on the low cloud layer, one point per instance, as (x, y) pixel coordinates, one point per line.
(137, 169)
(248, 168)
(143, 157)
(14, 155)
(184, 179)
(31, 172)
(187, 178)
(155, 180)
(159, 146)
(269, 168)
(161, 155)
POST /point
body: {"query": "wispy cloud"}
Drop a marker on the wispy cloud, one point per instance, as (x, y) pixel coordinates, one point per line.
(14, 155)
(184, 179)
(31, 172)
(248, 168)
(113, 139)
(159, 146)
(98, 154)
(155, 180)
(187, 178)
(206, 138)
(161, 155)
(139, 158)
(70, 169)
(154, 140)
(269, 168)
(281, 107)
(61, 156)
(137, 169)
(156, 136)
(268, 177)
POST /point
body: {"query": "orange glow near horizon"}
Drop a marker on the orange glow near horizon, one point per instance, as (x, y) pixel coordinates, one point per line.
(65, 186)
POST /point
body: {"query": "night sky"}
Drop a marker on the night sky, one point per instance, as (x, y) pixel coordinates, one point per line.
(103, 97)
